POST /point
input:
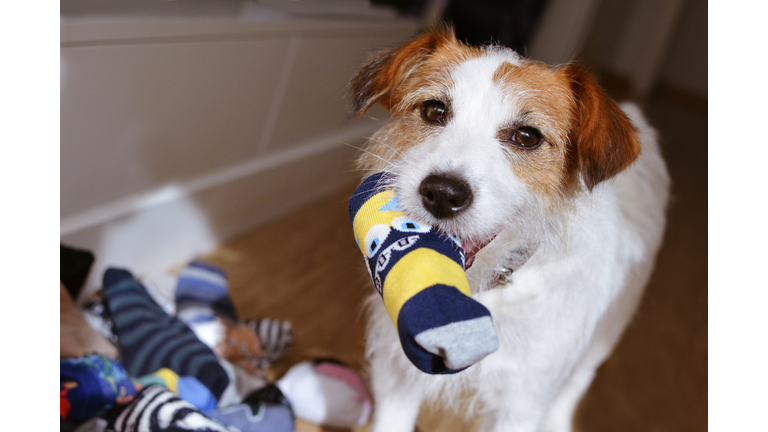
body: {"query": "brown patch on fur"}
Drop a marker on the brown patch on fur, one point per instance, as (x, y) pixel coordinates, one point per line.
(605, 140)
(385, 78)
(385, 71)
(503, 72)
(544, 101)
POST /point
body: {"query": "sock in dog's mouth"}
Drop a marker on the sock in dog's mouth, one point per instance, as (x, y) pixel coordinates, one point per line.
(473, 246)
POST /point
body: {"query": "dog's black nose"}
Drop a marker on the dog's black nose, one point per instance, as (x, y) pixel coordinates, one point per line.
(444, 196)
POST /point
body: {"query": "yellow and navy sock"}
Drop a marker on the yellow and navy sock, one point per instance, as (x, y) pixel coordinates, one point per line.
(419, 273)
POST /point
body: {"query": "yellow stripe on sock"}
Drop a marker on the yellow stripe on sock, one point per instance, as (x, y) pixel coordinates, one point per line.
(171, 379)
(416, 271)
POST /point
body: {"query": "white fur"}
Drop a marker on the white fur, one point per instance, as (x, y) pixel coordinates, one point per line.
(561, 313)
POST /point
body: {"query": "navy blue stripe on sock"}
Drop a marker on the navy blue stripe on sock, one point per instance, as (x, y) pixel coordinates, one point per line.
(121, 301)
(197, 363)
(164, 354)
(433, 307)
(135, 326)
(147, 359)
(202, 364)
(182, 357)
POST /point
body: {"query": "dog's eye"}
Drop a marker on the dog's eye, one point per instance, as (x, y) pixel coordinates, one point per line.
(524, 137)
(433, 112)
(527, 137)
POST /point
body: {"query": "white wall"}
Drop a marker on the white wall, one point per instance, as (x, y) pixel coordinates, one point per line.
(179, 133)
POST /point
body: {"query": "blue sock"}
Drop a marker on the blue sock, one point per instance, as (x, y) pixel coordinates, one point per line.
(265, 410)
(151, 339)
(91, 385)
(202, 292)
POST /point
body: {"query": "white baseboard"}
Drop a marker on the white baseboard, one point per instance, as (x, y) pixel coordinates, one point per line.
(171, 225)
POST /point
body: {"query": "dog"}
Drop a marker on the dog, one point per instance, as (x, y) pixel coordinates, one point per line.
(558, 196)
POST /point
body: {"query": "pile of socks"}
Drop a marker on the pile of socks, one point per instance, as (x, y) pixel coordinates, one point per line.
(198, 368)
(97, 386)
(151, 339)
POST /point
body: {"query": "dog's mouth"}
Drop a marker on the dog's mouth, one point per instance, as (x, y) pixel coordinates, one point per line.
(473, 246)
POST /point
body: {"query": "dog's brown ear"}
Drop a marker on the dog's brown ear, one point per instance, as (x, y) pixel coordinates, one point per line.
(605, 139)
(382, 73)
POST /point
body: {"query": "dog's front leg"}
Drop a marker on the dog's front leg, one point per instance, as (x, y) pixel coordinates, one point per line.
(396, 384)
(397, 402)
(396, 412)
(511, 419)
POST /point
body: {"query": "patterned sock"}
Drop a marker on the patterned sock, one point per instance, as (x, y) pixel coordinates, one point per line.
(419, 272)
(265, 410)
(327, 393)
(91, 385)
(202, 292)
(151, 339)
(157, 409)
(276, 338)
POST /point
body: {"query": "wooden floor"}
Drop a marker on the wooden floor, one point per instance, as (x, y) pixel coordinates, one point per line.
(305, 268)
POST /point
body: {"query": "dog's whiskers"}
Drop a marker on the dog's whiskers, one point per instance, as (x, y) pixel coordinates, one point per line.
(390, 163)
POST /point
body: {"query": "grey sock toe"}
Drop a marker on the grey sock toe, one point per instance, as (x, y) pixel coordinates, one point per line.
(461, 343)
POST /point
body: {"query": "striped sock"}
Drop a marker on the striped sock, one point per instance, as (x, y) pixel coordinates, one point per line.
(151, 339)
(202, 292)
(276, 337)
(419, 272)
(156, 409)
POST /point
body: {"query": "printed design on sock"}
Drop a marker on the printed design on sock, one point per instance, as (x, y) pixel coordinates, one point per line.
(66, 405)
(91, 385)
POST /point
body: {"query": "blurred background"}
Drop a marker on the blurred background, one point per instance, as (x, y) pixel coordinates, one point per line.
(188, 124)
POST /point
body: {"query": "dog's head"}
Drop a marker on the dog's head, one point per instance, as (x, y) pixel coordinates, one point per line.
(482, 140)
